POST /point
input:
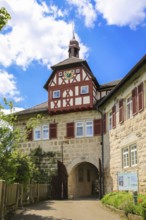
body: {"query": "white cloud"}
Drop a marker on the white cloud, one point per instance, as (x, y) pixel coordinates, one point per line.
(116, 12)
(8, 86)
(37, 33)
(86, 9)
(122, 12)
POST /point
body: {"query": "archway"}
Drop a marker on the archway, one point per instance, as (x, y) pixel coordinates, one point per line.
(83, 181)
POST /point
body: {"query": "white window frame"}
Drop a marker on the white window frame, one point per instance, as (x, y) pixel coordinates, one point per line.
(129, 156)
(80, 124)
(36, 130)
(133, 155)
(125, 157)
(56, 94)
(89, 125)
(44, 129)
(129, 107)
(110, 120)
(41, 130)
(84, 89)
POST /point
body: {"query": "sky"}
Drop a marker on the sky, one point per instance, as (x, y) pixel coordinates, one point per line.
(111, 34)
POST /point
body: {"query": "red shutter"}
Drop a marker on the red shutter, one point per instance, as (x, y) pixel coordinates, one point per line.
(121, 111)
(30, 134)
(97, 127)
(140, 97)
(134, 101)
(70, 130)
(114, 116)
(104, 123)
(53, 130)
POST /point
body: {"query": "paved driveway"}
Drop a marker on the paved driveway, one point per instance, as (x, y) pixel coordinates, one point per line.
(81, 209)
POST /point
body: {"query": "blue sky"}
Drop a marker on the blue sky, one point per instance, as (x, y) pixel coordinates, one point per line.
(111, 33)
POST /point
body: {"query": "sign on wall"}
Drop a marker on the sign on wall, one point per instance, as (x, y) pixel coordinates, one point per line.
(128, 181)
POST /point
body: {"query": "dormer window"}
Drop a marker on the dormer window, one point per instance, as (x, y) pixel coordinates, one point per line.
(84, 90)
(56, 94)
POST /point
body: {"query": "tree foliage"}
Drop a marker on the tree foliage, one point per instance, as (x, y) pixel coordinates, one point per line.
(4, 17)
(43, 174)
(15, 166)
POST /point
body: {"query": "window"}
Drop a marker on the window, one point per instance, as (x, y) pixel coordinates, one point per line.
(133, 155)
(37, 133)
(56, 94)
(79, 129)
(84, 89)
(110, 121)
(126, 157)
(129, 156)
(129, 107)
(77, 70)
(84, 129)
(89, 128)
(45, 132)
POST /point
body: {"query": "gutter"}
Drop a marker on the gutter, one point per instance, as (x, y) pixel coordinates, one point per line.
(102, 152)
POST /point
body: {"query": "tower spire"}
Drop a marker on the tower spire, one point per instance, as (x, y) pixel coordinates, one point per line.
(73, 47)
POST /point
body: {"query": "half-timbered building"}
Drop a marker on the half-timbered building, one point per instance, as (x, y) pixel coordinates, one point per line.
(89, 126)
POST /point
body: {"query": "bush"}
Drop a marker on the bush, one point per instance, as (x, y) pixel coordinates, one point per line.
(124, 201)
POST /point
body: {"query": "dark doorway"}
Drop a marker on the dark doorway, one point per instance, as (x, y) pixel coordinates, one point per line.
(59, 183)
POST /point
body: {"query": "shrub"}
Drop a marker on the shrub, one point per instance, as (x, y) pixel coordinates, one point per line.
(124, 201)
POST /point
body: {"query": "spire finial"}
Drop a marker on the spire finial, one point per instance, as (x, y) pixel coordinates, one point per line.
(73, 31)
(73, 45)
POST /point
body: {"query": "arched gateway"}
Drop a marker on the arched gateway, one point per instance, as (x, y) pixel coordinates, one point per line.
(83, 180)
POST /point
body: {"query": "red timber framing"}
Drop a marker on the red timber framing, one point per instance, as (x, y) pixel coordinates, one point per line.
(70, 98)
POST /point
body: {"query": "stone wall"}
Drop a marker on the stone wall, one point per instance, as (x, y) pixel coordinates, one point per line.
(131, 131)
(77, 150)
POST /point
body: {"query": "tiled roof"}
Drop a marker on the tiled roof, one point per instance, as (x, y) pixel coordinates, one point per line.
(38, 108)
(112, 83)
(67, 61)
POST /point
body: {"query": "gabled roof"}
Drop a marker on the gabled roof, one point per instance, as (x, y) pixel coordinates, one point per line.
(124, 80)
(70, 62)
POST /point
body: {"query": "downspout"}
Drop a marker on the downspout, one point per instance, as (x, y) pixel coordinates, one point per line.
(102, 148)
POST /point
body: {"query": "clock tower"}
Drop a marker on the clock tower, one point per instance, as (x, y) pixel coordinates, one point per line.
(71, 86)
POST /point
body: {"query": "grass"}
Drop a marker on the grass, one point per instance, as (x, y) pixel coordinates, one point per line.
(124, 201)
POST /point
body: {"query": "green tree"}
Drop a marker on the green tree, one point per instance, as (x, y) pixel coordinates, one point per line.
(14, 165)
(4, 17)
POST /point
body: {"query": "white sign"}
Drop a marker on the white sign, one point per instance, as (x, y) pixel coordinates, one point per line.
(128, 181)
